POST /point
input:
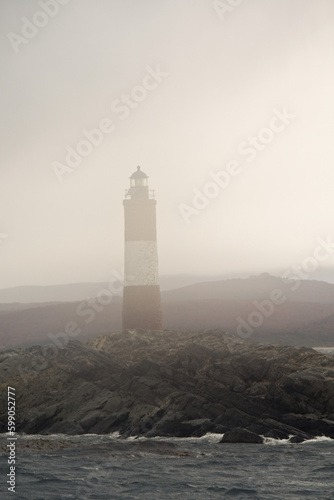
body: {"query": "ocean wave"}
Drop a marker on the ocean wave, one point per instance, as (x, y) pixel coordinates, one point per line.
(241, 493)
(319, 439)
(208, 437)
(274, 441)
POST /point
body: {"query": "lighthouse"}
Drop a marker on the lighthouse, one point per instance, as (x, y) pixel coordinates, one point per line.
(141, 295)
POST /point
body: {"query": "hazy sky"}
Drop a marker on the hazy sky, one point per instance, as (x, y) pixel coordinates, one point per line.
(186, 89)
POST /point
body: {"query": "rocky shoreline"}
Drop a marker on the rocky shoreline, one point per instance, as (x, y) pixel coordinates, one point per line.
(182, 384)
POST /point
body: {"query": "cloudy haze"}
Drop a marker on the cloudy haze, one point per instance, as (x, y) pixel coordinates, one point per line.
(204, 82)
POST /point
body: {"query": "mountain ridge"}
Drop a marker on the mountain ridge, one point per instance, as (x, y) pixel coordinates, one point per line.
(305, 318)
(74, 292)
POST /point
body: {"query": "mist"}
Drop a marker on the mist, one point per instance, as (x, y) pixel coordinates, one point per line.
(229, 111)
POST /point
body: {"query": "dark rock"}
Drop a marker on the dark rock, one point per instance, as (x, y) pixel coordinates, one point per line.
(276, 434)
(171, 384)
(312, 424)
(109, 424)
(196, 428)
(169, 425)
(233, 417)
(297, 439)
(272, 428)
(91, 420)
(219, 429)
(240, 435)
(65, 428)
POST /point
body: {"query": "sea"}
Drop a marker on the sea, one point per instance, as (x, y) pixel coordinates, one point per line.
(60, 467)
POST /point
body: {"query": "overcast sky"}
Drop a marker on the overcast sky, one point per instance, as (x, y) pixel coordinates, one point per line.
(233, 99)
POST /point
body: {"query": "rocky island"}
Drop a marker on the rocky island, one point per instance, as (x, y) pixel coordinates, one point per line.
(171, 384)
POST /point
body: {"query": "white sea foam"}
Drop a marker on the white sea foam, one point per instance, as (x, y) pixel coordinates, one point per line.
(211, 437)
(319, 439)
(114, 435)
(273, 441)
(208, 437)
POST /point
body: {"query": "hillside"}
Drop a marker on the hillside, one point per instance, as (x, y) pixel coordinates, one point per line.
(74, 292)
(305, 318)
(252, 288)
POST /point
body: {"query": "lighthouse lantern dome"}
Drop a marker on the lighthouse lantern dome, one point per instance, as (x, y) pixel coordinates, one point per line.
(138, 179)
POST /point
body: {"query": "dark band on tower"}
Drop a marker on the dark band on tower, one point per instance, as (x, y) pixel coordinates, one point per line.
(141, 296)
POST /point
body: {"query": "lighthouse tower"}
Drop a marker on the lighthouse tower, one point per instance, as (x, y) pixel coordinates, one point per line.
(141, 296)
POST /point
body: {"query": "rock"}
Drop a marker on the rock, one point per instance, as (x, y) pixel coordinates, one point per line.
(278, 430)
(297, 439)
(219, 429)
(276, 434)
(311, 424)
(233, 417)
(240, 435)
(308, 383)
(169, 425)
(196, 428)
(171, 384)
(109, 424)
(66, 427)
(257, 389)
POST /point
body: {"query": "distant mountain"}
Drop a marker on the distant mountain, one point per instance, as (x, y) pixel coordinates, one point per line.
(306, 316)
(254, 287)
(47, 323)
(81, 291)
(182, 287)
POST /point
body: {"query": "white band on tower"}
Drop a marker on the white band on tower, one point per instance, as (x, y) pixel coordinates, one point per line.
(141, 263)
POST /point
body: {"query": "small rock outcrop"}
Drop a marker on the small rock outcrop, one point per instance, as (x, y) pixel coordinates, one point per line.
(171, 384)
(240, 435)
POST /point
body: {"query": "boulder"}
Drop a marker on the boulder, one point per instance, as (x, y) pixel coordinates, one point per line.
(240, 435)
